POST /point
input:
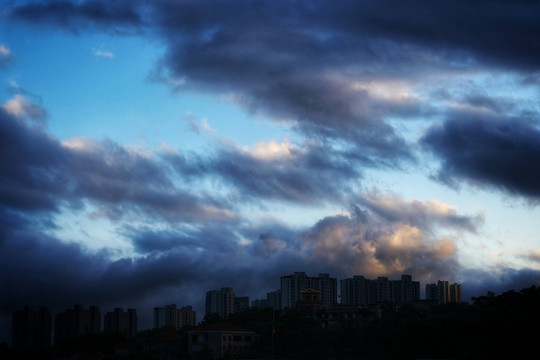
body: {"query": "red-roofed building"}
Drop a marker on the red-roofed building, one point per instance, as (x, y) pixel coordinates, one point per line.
(220, 339)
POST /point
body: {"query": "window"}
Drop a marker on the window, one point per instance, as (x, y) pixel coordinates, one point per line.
(237, 338)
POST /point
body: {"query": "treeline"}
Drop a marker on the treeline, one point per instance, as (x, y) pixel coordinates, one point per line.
(491, 327)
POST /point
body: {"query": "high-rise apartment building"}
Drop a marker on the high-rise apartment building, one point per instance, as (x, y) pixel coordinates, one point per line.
(188, 316)
(220, 302)
(120, 321)
(443, 292)
(273, 299)
(241, 304)
(327, 287)
(173, 317)
(409, 290)
(31, 329)
(358, 291)
(76, 321)
(361, 291)
(455, 293)
(259, 303)
(292, 284)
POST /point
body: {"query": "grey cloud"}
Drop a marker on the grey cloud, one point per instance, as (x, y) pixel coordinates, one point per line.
(496, 152)
(78, 15)
(310, 174)
(498, 280)
(300, 61)
(425, 215)
(374, 248)
(213, 238)
(41, 174)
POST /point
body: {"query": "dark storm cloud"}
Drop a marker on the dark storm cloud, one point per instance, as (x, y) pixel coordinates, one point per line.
(491, 151)
(39, 173)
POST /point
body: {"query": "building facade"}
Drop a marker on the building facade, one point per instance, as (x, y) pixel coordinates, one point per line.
(220, 302)
(292, 284)
(241, 304)
(455, 293)
(76, 321)
(120, 321)
(31, 329)
(443, 292)
(273, 299)
(221, 340)
(361, 291)
(173, 317)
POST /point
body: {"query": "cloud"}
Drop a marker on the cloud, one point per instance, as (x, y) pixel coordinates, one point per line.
(337, 74)
(310, 173)
(424, 215)
(349, 78)
(20, 106)
(6, 57)
(76, 15)
(103, 53)
(490, 151)
(41, 173)
(498, 280)
(351, 246)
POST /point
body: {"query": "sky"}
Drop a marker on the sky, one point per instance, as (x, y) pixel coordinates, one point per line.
(151, 151)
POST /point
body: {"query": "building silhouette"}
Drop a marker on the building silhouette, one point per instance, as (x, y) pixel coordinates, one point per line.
(241, 304)
(220, 302)
(443, 292)
(31, 329)
(361, 291)
(292, 284)
(259, 303)
(76, 321)
(173, 317)
(120, 321)
(455, 293)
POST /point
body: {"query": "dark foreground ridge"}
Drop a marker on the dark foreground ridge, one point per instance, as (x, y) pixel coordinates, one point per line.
(491, 327)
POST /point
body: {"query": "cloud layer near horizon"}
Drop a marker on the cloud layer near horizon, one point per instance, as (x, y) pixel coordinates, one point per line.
(366, 85)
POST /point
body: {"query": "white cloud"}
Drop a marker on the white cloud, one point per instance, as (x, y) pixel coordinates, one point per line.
(81, 144)
(4, 51)
(271, 150)
(20, 106)
(102, 53)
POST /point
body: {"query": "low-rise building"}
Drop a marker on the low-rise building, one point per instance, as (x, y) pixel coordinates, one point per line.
(220, 339)
(168, 345)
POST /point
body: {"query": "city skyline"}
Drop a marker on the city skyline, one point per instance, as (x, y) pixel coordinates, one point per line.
(153, 150)
(80, 321)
